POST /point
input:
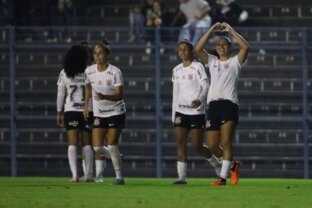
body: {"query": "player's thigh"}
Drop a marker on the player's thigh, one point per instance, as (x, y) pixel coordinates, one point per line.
(98, 136)
(86, 138)
(112, 136)
(227, 132)
(73, 136)
(197, 137)
(181, 135)
(213, 139)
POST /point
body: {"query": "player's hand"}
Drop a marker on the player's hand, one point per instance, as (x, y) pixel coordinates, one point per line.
(226, 27)
(99, 96)
(195, 103)
(216, 27)
(86, 113)
(60, 119)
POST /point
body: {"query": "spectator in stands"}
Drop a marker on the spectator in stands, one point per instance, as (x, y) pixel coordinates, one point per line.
(222, 116)
(197, 17)
(65, 8)
(136, 20)
(7, 11)
(230, 11)
(104, 83)
(190, 87)
(70, 114)
(154, 18)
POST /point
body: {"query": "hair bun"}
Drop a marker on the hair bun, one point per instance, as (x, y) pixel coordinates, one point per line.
(105, 42)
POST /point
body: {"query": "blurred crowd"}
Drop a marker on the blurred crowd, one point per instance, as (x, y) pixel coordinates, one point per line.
(190, 15)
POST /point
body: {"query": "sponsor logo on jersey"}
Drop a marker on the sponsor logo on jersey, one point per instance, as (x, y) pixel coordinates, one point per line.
(96, 122)
(177, 120)
(105, 111)
(73, 123)
(77, 105)
(100, 82)
(184, 106)
(208, 124)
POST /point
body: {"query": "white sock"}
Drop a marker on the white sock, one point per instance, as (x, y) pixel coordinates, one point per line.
(88, 159)
(215, 163)
(100, 166)
(103, 150)
(181, 167)
(225, 169)
(72, 159)
(83, 164)
(116, 160)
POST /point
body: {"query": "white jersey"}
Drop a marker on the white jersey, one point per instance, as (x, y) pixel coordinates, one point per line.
(192, 9)
(105, 83)
(224, 78)
(189, 84)
(73, 89)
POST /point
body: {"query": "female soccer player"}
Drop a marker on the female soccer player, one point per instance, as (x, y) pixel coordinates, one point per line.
(71, 85)
(104, 83)
(190, 87)
(222, 99)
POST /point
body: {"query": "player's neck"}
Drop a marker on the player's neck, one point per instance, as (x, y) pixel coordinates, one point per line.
(102, 67)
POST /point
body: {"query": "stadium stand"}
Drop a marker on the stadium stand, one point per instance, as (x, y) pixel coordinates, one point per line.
(269, 139)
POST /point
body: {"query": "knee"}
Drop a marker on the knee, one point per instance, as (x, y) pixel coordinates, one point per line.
(97, 150)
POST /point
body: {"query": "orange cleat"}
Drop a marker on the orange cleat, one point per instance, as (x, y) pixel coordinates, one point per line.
(234, 173)
(219, 182)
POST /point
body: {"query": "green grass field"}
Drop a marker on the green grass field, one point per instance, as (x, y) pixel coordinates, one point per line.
(33, 192)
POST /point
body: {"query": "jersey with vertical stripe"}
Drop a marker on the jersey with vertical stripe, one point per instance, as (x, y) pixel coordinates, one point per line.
(105, 83)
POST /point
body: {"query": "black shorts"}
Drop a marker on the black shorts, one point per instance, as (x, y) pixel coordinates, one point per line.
(117, 121)
(189, 121)
(219, 112)
(75, 120)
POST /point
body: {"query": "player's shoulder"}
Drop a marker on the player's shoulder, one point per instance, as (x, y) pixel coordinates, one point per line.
(90, 69)
(114, 68)
(197, 64)
(177, 67)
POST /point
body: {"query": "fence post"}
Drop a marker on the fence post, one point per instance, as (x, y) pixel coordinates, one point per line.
(12, 100)
(305, 106)
(158, 104)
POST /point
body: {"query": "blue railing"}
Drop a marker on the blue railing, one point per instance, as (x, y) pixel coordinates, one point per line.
(278, 39)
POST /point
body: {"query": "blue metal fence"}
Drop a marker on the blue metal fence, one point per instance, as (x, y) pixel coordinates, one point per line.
(289, 42)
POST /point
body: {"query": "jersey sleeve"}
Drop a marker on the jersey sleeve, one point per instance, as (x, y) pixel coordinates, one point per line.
(175, 92)
(61, 90)
(118, 79)
(87, 80)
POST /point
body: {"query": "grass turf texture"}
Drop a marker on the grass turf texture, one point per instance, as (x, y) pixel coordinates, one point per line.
(33, 192)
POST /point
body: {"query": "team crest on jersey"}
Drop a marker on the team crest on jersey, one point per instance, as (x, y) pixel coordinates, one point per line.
(226, 66)
(96, 122)
(109, 82)
(177, 120)
(208, 124)
(190, 76)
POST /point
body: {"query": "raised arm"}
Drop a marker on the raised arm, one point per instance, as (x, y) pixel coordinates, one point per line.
(243, 44)
(199, 48)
